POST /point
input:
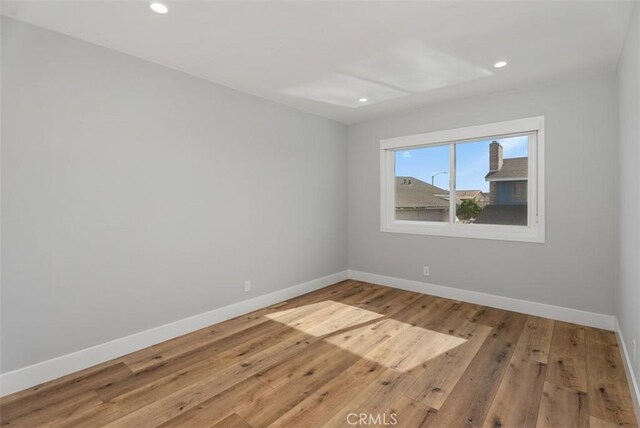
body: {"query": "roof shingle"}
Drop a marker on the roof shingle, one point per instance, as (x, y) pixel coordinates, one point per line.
(511, 168)
(414, 193)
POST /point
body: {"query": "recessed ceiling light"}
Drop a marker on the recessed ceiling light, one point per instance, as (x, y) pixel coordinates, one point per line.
(500, 64)
(363, 100)
(159, 8)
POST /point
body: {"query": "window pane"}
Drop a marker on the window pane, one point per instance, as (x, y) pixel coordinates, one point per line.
(491, 181)
(422, 184)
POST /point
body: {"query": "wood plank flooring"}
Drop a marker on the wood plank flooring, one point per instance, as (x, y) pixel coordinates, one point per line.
(352, 354)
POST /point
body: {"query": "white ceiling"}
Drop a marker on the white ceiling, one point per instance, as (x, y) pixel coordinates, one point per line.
(322, 57)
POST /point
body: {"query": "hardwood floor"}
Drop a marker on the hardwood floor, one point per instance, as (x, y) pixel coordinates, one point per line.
(352, 354)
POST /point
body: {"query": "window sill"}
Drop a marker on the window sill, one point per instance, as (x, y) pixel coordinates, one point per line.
(497, 232)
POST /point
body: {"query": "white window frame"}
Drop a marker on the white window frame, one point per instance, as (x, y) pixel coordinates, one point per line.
(535, 229)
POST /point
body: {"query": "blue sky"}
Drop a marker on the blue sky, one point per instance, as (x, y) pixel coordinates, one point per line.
(472, 162)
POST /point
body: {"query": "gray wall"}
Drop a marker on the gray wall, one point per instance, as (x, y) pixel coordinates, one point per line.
(629, 99)
(578, 265)
(134, 195)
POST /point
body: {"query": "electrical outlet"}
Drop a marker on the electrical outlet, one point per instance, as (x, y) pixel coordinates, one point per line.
(247, 286)
(633, 342)
(425, 270)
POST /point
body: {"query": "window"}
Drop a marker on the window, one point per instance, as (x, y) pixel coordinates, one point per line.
(478, 182)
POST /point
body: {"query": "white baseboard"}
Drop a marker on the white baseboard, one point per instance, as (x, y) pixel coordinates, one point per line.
(36, 374)
(628, 368)
(560, 313)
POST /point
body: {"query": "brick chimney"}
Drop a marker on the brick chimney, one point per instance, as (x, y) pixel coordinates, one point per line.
(495, 156)
(495, 164)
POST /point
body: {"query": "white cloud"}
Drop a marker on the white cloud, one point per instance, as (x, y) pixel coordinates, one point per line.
(406, 155)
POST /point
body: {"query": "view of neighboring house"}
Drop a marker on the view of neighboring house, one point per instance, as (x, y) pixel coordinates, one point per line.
(420, 201)
(507, 189)
(478, 196)
(505, 204)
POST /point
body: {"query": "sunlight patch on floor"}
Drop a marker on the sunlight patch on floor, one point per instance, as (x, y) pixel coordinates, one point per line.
(319, 319)
(391, 343)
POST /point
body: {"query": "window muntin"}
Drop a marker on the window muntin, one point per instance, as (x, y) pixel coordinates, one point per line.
(494, 182)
